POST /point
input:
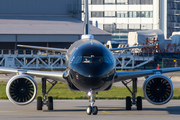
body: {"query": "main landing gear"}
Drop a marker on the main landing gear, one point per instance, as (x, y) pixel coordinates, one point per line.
(48, 102)
(91, 109)
(130, 102)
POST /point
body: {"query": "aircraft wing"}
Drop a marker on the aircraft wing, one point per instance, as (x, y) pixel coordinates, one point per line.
(126, 48)
(44, 48)
(57, 76)
(121, 76)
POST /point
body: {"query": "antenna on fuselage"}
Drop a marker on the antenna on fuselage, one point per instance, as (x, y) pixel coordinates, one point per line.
(86, 22)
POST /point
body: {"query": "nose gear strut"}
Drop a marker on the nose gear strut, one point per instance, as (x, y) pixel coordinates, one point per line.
(91, 108)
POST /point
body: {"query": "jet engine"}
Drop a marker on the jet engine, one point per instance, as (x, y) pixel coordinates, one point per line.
(158, 89)
(21, 89)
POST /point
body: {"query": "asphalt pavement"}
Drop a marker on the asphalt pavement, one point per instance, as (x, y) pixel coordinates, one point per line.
(76, 110)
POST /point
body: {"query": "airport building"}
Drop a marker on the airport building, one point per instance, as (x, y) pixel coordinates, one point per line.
(53, 23)
(122, 16)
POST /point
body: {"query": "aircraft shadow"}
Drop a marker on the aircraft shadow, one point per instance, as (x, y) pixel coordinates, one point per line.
(83, 108)
(171, 110)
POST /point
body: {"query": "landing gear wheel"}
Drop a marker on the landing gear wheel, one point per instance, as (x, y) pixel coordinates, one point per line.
(128, 103)
(139, 103)
(50, 103)
(89, 110)
(39, 103)
(95, 110)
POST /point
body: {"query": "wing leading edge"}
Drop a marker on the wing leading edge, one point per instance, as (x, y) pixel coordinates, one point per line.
(57, 76)
(44, 48)
(121, 76)
(126, 48)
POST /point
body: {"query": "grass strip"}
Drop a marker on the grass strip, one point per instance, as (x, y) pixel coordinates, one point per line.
(60, 91)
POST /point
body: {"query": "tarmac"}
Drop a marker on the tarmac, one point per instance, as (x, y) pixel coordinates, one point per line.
(76, 110)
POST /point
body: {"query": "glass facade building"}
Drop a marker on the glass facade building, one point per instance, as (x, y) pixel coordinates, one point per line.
(122, 16)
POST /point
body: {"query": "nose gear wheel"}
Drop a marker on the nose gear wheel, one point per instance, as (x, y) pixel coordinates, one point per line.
(91, 109)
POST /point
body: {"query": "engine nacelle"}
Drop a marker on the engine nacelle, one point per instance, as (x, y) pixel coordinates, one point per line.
(158, 89)
(21, 89)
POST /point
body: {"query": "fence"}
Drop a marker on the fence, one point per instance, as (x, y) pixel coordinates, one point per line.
(170, 62)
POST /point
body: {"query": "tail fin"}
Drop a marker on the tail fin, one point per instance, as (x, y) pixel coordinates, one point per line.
(86, 18)
(86, 22)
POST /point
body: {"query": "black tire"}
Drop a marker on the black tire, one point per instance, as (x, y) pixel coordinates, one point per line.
(39, 103)
(139, 103)
(50, 103)
(128, 103)
(89, 110)
(95, 110)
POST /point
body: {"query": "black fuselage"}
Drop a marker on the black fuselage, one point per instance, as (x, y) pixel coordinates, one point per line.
(91, 66)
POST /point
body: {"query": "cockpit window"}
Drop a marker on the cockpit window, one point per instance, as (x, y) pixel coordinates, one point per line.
(91, 59)
(106, 59)
(97, 59)
(77, 59)
(87, 60)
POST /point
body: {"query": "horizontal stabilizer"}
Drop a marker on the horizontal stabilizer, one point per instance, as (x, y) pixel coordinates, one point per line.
(44, 48)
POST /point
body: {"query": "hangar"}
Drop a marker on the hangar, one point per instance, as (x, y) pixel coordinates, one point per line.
(53, 23)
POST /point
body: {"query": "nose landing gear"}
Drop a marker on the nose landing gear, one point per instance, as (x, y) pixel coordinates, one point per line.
(91, 109)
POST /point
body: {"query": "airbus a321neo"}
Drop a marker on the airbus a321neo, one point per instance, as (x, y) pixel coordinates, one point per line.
(91, 68)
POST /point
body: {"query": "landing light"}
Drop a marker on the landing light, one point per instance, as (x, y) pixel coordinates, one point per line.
(89, 93)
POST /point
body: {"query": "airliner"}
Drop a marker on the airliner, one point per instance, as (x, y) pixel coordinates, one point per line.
(90, 67)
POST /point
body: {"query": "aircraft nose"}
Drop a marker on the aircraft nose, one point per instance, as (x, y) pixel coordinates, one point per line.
(93, 71)
(92, 78)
